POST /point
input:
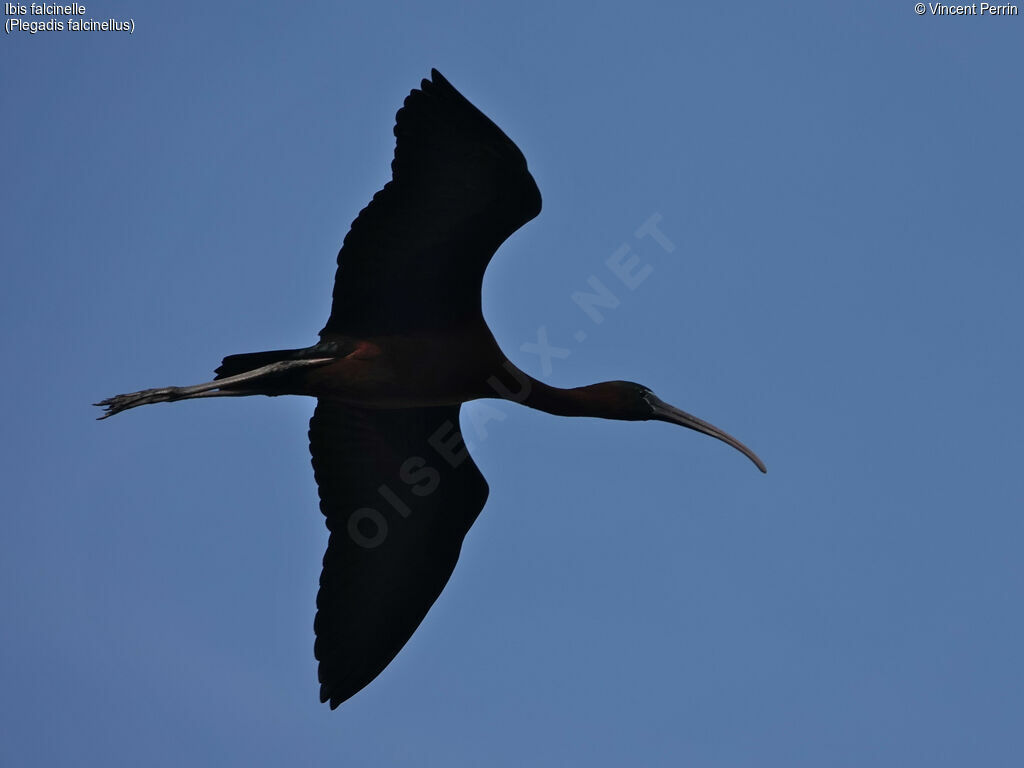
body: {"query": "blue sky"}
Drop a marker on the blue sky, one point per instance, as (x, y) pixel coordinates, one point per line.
(841, 184)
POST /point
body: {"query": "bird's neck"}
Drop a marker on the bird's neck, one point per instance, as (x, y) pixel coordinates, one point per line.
(578, 401)
(517, 386)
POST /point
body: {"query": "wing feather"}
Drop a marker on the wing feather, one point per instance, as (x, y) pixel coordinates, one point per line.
(399, 492)
(414, 258)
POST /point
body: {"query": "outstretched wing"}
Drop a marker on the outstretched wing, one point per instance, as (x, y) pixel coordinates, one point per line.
(415, 257)
(399, 491)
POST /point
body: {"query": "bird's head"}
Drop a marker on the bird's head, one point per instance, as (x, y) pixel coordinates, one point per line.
(634, 402)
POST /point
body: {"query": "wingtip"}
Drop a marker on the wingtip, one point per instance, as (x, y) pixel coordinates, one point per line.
(437, 84)
(329, 695)
(331, 700)
(437, 79)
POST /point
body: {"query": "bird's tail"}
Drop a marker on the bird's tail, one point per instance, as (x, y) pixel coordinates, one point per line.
(232, 365)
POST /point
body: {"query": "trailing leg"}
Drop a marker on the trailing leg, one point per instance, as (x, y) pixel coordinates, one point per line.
(214, 388)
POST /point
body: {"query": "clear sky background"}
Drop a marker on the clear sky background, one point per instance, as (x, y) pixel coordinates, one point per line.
(841, 185)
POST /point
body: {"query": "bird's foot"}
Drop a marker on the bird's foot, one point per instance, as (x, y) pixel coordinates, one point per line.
(119, 403)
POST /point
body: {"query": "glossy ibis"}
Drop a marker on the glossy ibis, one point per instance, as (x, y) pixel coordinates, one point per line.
(406, 344)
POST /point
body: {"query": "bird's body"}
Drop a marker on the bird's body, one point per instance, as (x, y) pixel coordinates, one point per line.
(405, 345)
(403, 371)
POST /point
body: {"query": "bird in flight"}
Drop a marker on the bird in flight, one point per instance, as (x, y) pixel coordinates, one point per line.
(405, 345)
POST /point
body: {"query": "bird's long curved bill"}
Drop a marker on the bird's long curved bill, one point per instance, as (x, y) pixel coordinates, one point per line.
(665, 412)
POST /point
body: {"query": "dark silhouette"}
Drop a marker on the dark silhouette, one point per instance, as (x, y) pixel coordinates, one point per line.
(405, 345)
